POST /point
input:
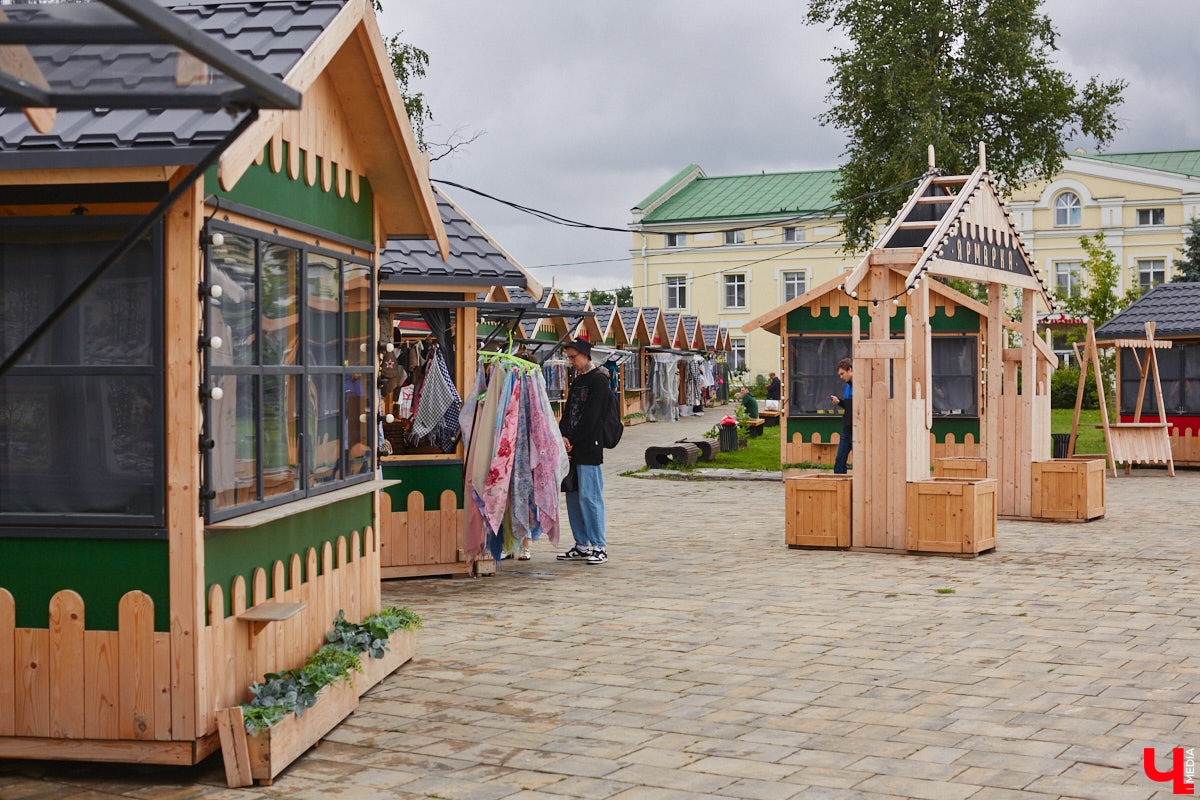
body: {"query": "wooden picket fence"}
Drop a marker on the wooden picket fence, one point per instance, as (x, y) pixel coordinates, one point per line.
(69, 683)
(816, 451)
(1185, 447)
(416, 542)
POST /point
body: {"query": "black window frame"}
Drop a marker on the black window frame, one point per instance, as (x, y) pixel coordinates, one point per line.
(829, 378)
(303, 369)
(1174, 380)
(972, 344)
(632, 365)
(117, 526)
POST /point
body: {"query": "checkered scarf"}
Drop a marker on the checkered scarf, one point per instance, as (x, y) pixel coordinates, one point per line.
(438, 410)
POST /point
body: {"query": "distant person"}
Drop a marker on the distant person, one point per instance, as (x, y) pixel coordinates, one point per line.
(845, 371)
(774, 392)
(581, 429)
(748, 403)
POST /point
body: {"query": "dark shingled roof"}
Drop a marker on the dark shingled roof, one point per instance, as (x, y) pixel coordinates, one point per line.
(689, 327)
(629, 317)
(1174, 308)
(672, 320)
(474, 260)
(603, 315)
(709, 332)
(273, 34)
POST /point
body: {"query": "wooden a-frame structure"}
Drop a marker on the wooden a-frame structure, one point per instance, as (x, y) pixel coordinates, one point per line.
(1129, 442)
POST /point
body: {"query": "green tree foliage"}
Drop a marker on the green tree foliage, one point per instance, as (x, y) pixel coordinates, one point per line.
(408, 63)
(625, 296)
(950, 73)
(1189, 265)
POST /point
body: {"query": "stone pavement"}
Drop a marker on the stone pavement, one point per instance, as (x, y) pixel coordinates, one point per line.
(708, 660)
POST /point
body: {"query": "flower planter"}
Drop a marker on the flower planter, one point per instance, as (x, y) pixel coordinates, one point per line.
(959, 467)
(263, 755)
(817, 511)
(952, 516)
(1069, 489)
(631, 421)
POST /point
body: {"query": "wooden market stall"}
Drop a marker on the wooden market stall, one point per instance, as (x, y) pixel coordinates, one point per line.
(633, 371)
(432, 305)
(952, 226)
(1174, 308)
(187, 485)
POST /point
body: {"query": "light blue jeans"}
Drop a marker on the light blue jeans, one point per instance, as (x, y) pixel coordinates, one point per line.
(585, 508)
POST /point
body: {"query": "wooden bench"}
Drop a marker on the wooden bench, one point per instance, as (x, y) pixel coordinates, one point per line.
(770, 418)
(754, 427)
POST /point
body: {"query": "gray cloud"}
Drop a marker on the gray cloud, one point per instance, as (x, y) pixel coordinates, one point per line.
(588, 107)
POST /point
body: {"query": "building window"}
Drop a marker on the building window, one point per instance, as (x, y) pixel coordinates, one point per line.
(676, 292)
(735, 237)
(676, 239)
(1151, 272)
(1151, 216)
(82, 426)
(1067, 210)
(793, 285)
(1067, 277)
(737, 354)
(735, 291)
(295, 372)
(795, 234)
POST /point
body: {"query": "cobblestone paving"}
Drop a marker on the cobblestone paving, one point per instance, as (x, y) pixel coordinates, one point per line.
(707, 660)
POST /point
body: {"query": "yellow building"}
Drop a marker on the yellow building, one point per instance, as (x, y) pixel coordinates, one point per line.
(730, 248)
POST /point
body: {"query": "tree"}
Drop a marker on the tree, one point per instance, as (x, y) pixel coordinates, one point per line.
(1098, 298)
(625, 296)
(409, 62)
(1189, 265)
(950, 73)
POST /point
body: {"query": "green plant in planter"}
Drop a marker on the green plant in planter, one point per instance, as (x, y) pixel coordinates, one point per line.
(293, 691)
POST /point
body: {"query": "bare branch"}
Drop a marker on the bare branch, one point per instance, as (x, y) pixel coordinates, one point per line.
(452, 145)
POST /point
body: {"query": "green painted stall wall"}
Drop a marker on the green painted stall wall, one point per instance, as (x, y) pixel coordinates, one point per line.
(959, 427)
(807, 426)
(801, 320)
(240, 552)
(276, 193)
(429, 480)
(100, 570)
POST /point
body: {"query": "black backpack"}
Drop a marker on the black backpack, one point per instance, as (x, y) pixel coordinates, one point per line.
(610, 423)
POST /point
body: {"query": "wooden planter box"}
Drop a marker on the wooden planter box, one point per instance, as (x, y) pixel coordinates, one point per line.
(1068, 488)
(952, 516)
(817, 511)
(629, 423)
(262, 756)
(959, 467)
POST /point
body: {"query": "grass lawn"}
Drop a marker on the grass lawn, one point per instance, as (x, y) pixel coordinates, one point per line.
(760, 453)
(1090, 440)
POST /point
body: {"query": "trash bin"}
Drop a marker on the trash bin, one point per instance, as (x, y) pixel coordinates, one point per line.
(729, 437)
(1060, 444)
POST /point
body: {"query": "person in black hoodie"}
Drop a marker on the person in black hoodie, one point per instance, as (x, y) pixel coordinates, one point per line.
(845, 371)
(580, 427)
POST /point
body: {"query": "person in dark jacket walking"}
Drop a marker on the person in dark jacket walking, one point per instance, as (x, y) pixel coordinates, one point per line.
(774, 392)
(845, 371)
(580, 427)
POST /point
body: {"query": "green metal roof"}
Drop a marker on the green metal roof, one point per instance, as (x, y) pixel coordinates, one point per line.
(1183, 162)
(748, 196)
(676, 178)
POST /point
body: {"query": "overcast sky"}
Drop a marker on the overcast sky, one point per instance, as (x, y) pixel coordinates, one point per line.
(586, 108)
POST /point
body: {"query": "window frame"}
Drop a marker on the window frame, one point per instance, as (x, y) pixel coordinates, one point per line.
(1138, 268)
(738, 357)
(736, 236)
(794, 234)
(727, 284)
(668, 286)
(784, 274)
(673, 240)
(1075, 287)
(1151, 213)
(302, 369)
(59, 525)
(1062, 203)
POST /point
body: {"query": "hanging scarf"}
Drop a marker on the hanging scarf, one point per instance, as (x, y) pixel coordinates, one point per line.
(520, 499)
(438, 406)
(548, 457)
(495, 493)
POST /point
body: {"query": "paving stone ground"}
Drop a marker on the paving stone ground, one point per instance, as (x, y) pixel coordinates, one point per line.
(706, 660)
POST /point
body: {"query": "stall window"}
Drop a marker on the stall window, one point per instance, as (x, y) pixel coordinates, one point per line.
(633, 372)
(295, 369)
(812, 373)
(1179, 372)
(954, 365)
(81, 415)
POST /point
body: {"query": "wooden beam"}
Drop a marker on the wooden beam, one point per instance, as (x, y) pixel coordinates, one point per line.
(874, 348)
(86, 175)
(185, 526)
(971, 272)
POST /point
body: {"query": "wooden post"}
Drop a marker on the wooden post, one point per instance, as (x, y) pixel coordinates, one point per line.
(995, 374)
(1026, 446)
(1152, 357)
(185, 527)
